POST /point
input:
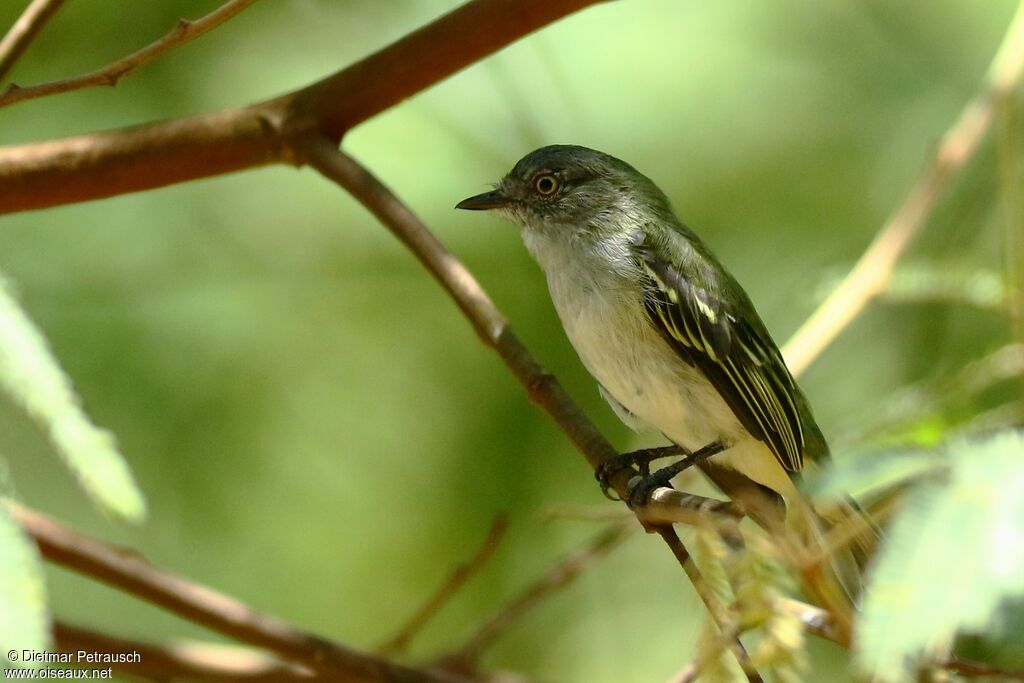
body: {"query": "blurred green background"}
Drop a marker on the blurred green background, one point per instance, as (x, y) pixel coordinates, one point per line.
(317, 429)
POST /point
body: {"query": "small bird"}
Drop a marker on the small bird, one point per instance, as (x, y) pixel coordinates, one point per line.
(673, 341)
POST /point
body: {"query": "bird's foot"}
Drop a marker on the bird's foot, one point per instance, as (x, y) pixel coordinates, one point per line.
(642, 459)
(641, 488)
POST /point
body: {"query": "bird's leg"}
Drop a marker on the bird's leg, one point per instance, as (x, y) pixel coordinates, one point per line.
(640, 489)
(642, 459)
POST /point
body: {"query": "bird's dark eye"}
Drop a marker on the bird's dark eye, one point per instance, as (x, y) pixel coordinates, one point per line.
(545, 184)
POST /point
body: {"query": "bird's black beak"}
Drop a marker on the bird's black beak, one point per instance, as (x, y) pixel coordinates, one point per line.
(481, 202)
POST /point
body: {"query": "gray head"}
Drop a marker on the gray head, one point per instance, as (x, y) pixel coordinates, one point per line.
(569, 187)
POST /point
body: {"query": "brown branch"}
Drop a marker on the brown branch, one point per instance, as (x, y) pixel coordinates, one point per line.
(456, 580)
(183, 32)
(192, 661)
(24, 31)
(966, 667)
(665, 505)
(85, 167)
(669, 506)
(128, 571)
(490, 324)
(555, 578)
(870, 276)
(688, 674)
(727, 630)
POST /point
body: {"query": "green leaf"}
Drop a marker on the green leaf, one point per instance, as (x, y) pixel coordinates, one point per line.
(32, 377)
(24, 621)
(953, 557)
(868, 474)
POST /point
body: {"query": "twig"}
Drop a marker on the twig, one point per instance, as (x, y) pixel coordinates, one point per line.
(583, 513)
(1010, 152)
(555, 578)
(669, 506)
(24, 31)
(823, 624)
(183, 32)
(161, 153)
(870, 275)
(192, 661)
(128, 571)
(727, 630)
(456, 580)
(664, 506)
(968, 668)
(490, 324)
(688, 674)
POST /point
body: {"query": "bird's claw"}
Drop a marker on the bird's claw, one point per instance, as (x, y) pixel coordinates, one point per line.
(640, 488)
(643, 485)
(641, 459)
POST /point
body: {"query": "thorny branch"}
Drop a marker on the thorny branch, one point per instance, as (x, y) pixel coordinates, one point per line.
(183, 32)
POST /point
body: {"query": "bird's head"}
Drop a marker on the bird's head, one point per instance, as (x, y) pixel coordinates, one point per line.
(565, 187)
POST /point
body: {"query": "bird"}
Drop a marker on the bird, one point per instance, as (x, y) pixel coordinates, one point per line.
(672, 339)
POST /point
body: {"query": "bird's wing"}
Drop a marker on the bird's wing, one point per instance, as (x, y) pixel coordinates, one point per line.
(731, 347)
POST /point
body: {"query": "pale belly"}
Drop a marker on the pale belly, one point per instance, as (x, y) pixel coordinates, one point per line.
(645, 376)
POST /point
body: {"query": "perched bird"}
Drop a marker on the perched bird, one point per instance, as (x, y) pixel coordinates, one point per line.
(672, 339)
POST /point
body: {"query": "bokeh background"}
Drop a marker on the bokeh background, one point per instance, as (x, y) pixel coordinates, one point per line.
(316, 428)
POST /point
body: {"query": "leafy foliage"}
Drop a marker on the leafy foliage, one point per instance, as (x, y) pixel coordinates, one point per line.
(953, 557)
(752, 583)
(32, 377)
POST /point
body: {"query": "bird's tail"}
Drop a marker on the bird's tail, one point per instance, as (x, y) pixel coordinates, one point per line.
(840, 540)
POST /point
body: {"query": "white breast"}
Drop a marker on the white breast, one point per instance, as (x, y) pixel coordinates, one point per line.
(604, 318)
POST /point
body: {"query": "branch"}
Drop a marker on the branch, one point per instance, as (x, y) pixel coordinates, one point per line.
(966, 667)
(869, 277)
(183, 32)
(85, 167)
(456, 580)
(126, 570)
(688, 674)
(555, 578)
(728, 631)
(669, 506)
(489, 323)
(491, 326)
(193, 661)
(24, 31)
